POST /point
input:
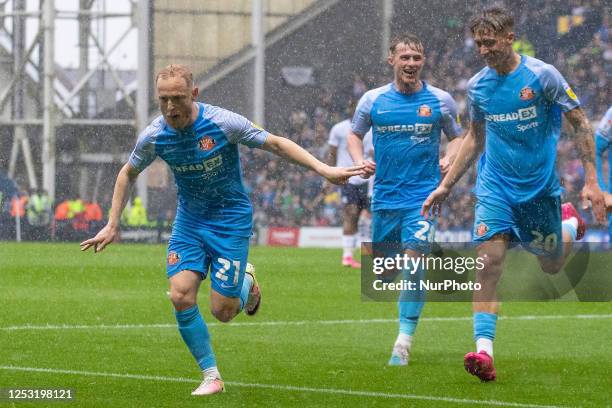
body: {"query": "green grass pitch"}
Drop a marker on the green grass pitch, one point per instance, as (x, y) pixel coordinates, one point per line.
(313, 343)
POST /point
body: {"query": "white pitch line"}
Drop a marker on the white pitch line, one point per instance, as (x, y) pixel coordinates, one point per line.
(283, 387)
(291, 322)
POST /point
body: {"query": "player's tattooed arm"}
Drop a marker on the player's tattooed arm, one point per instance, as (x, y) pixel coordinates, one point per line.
(583, 137)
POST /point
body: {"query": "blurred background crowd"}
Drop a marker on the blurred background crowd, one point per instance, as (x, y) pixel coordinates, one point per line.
(286, 195)
(573, 36)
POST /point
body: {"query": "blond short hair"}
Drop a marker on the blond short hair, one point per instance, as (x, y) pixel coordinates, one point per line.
(176, 70)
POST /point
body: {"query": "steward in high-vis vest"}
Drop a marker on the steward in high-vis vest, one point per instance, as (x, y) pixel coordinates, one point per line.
(38, 210)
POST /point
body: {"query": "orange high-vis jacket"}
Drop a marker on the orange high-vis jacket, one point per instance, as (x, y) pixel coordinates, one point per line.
(61, 211)
(93, 212)
(18, 205)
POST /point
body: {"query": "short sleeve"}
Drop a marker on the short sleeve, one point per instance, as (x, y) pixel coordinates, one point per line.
(368, 145)
(144, 152)
(557, 90)
(239, 129)
(450, 118)
(362, 121)
(476, 114)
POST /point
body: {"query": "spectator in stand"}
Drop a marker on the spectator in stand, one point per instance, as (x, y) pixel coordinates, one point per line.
(94, 216)
(137, 215)
(17, 213)
(80, 226)
(62, 221)
(524, 46)
(38, 211)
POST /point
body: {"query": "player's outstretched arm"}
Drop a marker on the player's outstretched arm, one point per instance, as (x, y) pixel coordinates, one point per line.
(289, 150)
(586, 150)
(125, 181)
(355, 149)
(450, 155)
(471, 146)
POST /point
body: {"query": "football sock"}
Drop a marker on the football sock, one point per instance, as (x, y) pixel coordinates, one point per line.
(410, 304)
(404, 340)
(195, 334)
(246, 288)
(409, 313)
(212, 371)
(485, 344)
(348, 244)
(484, 331)
(571, 226)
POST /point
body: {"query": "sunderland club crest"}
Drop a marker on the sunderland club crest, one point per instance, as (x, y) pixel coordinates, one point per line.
(173, 258)
(527, 94)
(207, 143)
(424, 110)
(482, 229)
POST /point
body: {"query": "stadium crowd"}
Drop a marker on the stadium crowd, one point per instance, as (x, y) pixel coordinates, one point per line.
(574, 37)
(32, 216)
(285, 196)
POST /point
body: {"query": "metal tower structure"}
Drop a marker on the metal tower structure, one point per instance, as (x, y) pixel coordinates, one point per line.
(37, 104)
(54, 105)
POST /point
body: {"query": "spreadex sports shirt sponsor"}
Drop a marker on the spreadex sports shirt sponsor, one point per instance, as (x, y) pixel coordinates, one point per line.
(522, 112)
(205, 161)
(206, 165)
(406, 129)
(417, 128)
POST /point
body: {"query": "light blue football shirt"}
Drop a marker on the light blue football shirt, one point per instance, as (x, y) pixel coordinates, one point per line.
(603, 129)
(406, 137)
(205, 161)
(522, 111)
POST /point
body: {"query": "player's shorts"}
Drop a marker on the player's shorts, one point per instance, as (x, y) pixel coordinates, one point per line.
(200, 250)
(356, 194)
(405, 227)
(536, 224)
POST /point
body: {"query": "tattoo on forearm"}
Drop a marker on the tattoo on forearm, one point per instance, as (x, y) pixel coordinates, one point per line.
(584, 141)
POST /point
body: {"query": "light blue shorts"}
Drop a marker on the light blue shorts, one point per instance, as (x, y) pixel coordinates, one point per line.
(200, 250)
(536, 224)
(405, 227)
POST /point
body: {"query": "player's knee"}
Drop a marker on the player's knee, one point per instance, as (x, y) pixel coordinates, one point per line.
(492, 267)
(224, 313)
(182, 299)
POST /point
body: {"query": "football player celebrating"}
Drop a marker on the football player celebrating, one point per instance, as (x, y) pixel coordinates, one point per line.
(214, 216)
(407, 118)
(515, 106)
